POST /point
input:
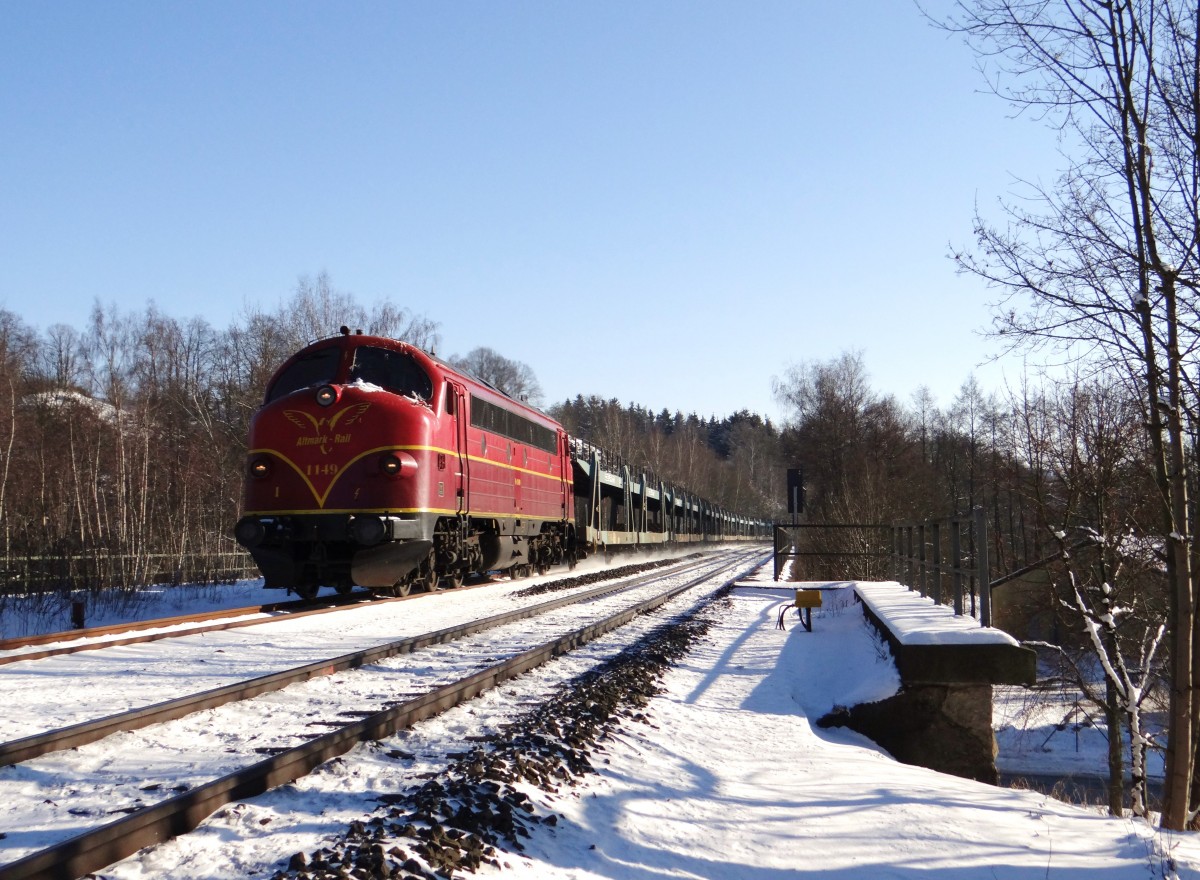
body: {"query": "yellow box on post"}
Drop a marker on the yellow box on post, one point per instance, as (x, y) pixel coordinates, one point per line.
(806, 601)
(808, 598)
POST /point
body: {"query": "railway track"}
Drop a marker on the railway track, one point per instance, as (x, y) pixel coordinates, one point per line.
(388, 695)
(64, 642)
(91, 730)
(126, 678)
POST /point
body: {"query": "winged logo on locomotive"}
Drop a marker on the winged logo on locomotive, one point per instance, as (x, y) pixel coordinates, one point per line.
(323, 429)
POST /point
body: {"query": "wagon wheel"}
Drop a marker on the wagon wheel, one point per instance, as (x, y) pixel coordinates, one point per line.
(572, 561)
(453, 580)
(402, 587)
(306, 591)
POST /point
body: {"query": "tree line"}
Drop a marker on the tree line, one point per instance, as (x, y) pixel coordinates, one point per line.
(122, 442)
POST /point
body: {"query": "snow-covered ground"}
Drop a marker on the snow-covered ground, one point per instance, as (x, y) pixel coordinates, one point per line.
(729, 778)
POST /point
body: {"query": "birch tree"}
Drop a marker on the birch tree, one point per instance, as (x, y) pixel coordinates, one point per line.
(1088, 491)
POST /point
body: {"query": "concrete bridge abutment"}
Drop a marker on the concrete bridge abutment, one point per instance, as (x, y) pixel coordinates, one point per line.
(942, 716)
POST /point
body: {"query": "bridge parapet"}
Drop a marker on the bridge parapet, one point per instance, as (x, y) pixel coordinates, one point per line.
(933, 645)
(942, 716)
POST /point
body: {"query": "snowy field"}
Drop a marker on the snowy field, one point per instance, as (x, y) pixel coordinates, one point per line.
(730, 778)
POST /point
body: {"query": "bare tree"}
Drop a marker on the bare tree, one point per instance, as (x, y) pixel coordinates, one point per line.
(1088, 489)
(1105, 267)
(60, 356)
(852, 442)
(514, 378)
(388, 319)
(317, 309)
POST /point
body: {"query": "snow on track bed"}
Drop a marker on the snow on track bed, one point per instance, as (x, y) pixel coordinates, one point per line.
(57, 795)
(97, 684)
(259, 837)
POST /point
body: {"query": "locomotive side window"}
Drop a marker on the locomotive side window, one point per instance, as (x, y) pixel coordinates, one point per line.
(498, 420)
(391, 370)
(315, 368)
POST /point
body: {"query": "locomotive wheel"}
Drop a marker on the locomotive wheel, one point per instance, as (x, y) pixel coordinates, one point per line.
(308, 591)
(452, 581)
(402, 588)
(427, 580)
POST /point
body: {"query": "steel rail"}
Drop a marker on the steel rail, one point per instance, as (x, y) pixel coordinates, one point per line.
(96, 849)
(72, 736)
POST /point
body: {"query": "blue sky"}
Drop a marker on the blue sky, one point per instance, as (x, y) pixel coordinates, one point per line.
(663, 202)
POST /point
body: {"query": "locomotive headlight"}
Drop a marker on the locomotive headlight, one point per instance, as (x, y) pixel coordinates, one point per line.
(327, 395)
(260, 468)
(397, 464)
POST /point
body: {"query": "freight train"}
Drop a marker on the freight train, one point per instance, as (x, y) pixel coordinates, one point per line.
(373, 463)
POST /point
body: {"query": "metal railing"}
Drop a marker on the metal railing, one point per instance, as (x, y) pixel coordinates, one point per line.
(832, 551)
(946, 560)
(102, 570)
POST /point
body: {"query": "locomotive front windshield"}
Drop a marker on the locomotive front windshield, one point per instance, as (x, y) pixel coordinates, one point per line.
(318, 367)
(392, 370)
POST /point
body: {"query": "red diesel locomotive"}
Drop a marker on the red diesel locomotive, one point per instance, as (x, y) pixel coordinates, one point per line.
(373, 463)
